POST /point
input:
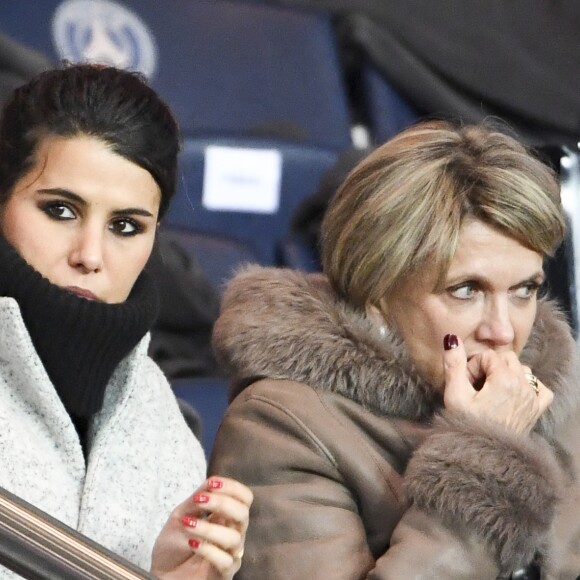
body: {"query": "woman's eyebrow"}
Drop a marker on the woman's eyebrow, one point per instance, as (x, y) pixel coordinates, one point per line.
(57, 191)
(132, 211)
(60, 192)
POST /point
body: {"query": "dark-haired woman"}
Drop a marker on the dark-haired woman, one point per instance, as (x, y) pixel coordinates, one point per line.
(91, 432)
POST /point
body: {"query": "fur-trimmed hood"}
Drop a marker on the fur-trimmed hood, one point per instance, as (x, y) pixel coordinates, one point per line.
(283, 324)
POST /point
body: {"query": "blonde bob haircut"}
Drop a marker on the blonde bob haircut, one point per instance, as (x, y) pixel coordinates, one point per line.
(401, 208)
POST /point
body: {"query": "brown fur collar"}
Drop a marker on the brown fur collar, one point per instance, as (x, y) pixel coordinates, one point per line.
(283, 324)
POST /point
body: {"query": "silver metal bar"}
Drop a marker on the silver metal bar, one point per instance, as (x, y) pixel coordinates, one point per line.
(570, 194)
(36, 545)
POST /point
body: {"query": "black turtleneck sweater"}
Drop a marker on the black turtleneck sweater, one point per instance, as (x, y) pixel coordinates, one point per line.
(80, 342)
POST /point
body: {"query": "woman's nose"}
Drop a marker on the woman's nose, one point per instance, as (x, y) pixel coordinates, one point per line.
(496, 327)
(86, 252)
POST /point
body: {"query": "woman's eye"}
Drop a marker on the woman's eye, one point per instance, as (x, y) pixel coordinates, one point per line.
(59, 211)
(526, 291)
(464, 292)
(125, 227)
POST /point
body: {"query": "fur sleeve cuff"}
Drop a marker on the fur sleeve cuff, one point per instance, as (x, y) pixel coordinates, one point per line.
(501, 486)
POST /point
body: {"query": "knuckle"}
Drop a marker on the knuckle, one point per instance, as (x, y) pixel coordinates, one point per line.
(492, 355)
(231, 541)
(227, 562)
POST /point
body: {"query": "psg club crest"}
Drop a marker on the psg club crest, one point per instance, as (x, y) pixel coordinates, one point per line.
(105, 32)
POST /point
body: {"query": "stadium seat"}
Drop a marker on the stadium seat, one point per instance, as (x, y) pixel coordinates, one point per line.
(243, 204)
(295, 253)
(226, 67)
(209, 397)
(388, 112)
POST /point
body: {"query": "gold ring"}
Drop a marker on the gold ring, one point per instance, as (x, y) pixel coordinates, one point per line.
(533, 382)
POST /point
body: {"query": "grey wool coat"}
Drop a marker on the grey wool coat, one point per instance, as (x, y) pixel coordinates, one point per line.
(142, 462)
(358, 471)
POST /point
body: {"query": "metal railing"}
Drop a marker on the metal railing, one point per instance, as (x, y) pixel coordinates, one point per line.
(570, 194)
(37, 546)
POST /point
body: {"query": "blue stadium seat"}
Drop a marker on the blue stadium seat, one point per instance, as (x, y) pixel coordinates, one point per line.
(388, 112)
(295, 253)
(225, 67)
(302, 168)
(209, 397)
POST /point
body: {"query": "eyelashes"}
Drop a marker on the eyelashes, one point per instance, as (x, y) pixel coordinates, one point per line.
(463, 292)
(469, 290)
(126, 227)
(58, 210)
(123, 226)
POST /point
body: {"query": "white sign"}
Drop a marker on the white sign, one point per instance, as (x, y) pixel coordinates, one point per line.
(243, 180)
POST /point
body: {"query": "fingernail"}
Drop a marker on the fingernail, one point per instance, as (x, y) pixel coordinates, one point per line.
(193, 543)
(215, 484)
(450, 341)
(189, 521)
(200, 498)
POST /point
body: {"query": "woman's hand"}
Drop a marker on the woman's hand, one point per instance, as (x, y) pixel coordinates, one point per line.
(506, 396)
(204, 536)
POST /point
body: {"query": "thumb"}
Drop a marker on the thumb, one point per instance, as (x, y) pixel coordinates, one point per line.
(457, 385)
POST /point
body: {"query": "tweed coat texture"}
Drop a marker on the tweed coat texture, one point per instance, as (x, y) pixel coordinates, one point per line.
(356, 468)
(143, 460)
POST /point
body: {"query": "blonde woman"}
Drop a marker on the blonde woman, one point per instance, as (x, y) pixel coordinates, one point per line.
(403, 415)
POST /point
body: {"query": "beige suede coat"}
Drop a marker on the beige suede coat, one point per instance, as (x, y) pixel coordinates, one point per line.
(357, 470)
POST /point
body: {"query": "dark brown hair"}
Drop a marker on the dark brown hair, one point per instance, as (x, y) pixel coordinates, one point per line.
(110, 104)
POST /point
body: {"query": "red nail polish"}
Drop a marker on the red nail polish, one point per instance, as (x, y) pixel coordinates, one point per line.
(193, 543)
(189, 521)
(215, 484)
(450, 341)
(200, 498)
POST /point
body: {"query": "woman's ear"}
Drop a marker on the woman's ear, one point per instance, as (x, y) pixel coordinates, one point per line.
(376, 313)
(377, 316)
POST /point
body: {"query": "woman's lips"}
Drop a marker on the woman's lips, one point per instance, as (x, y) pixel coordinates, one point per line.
(82, 292)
